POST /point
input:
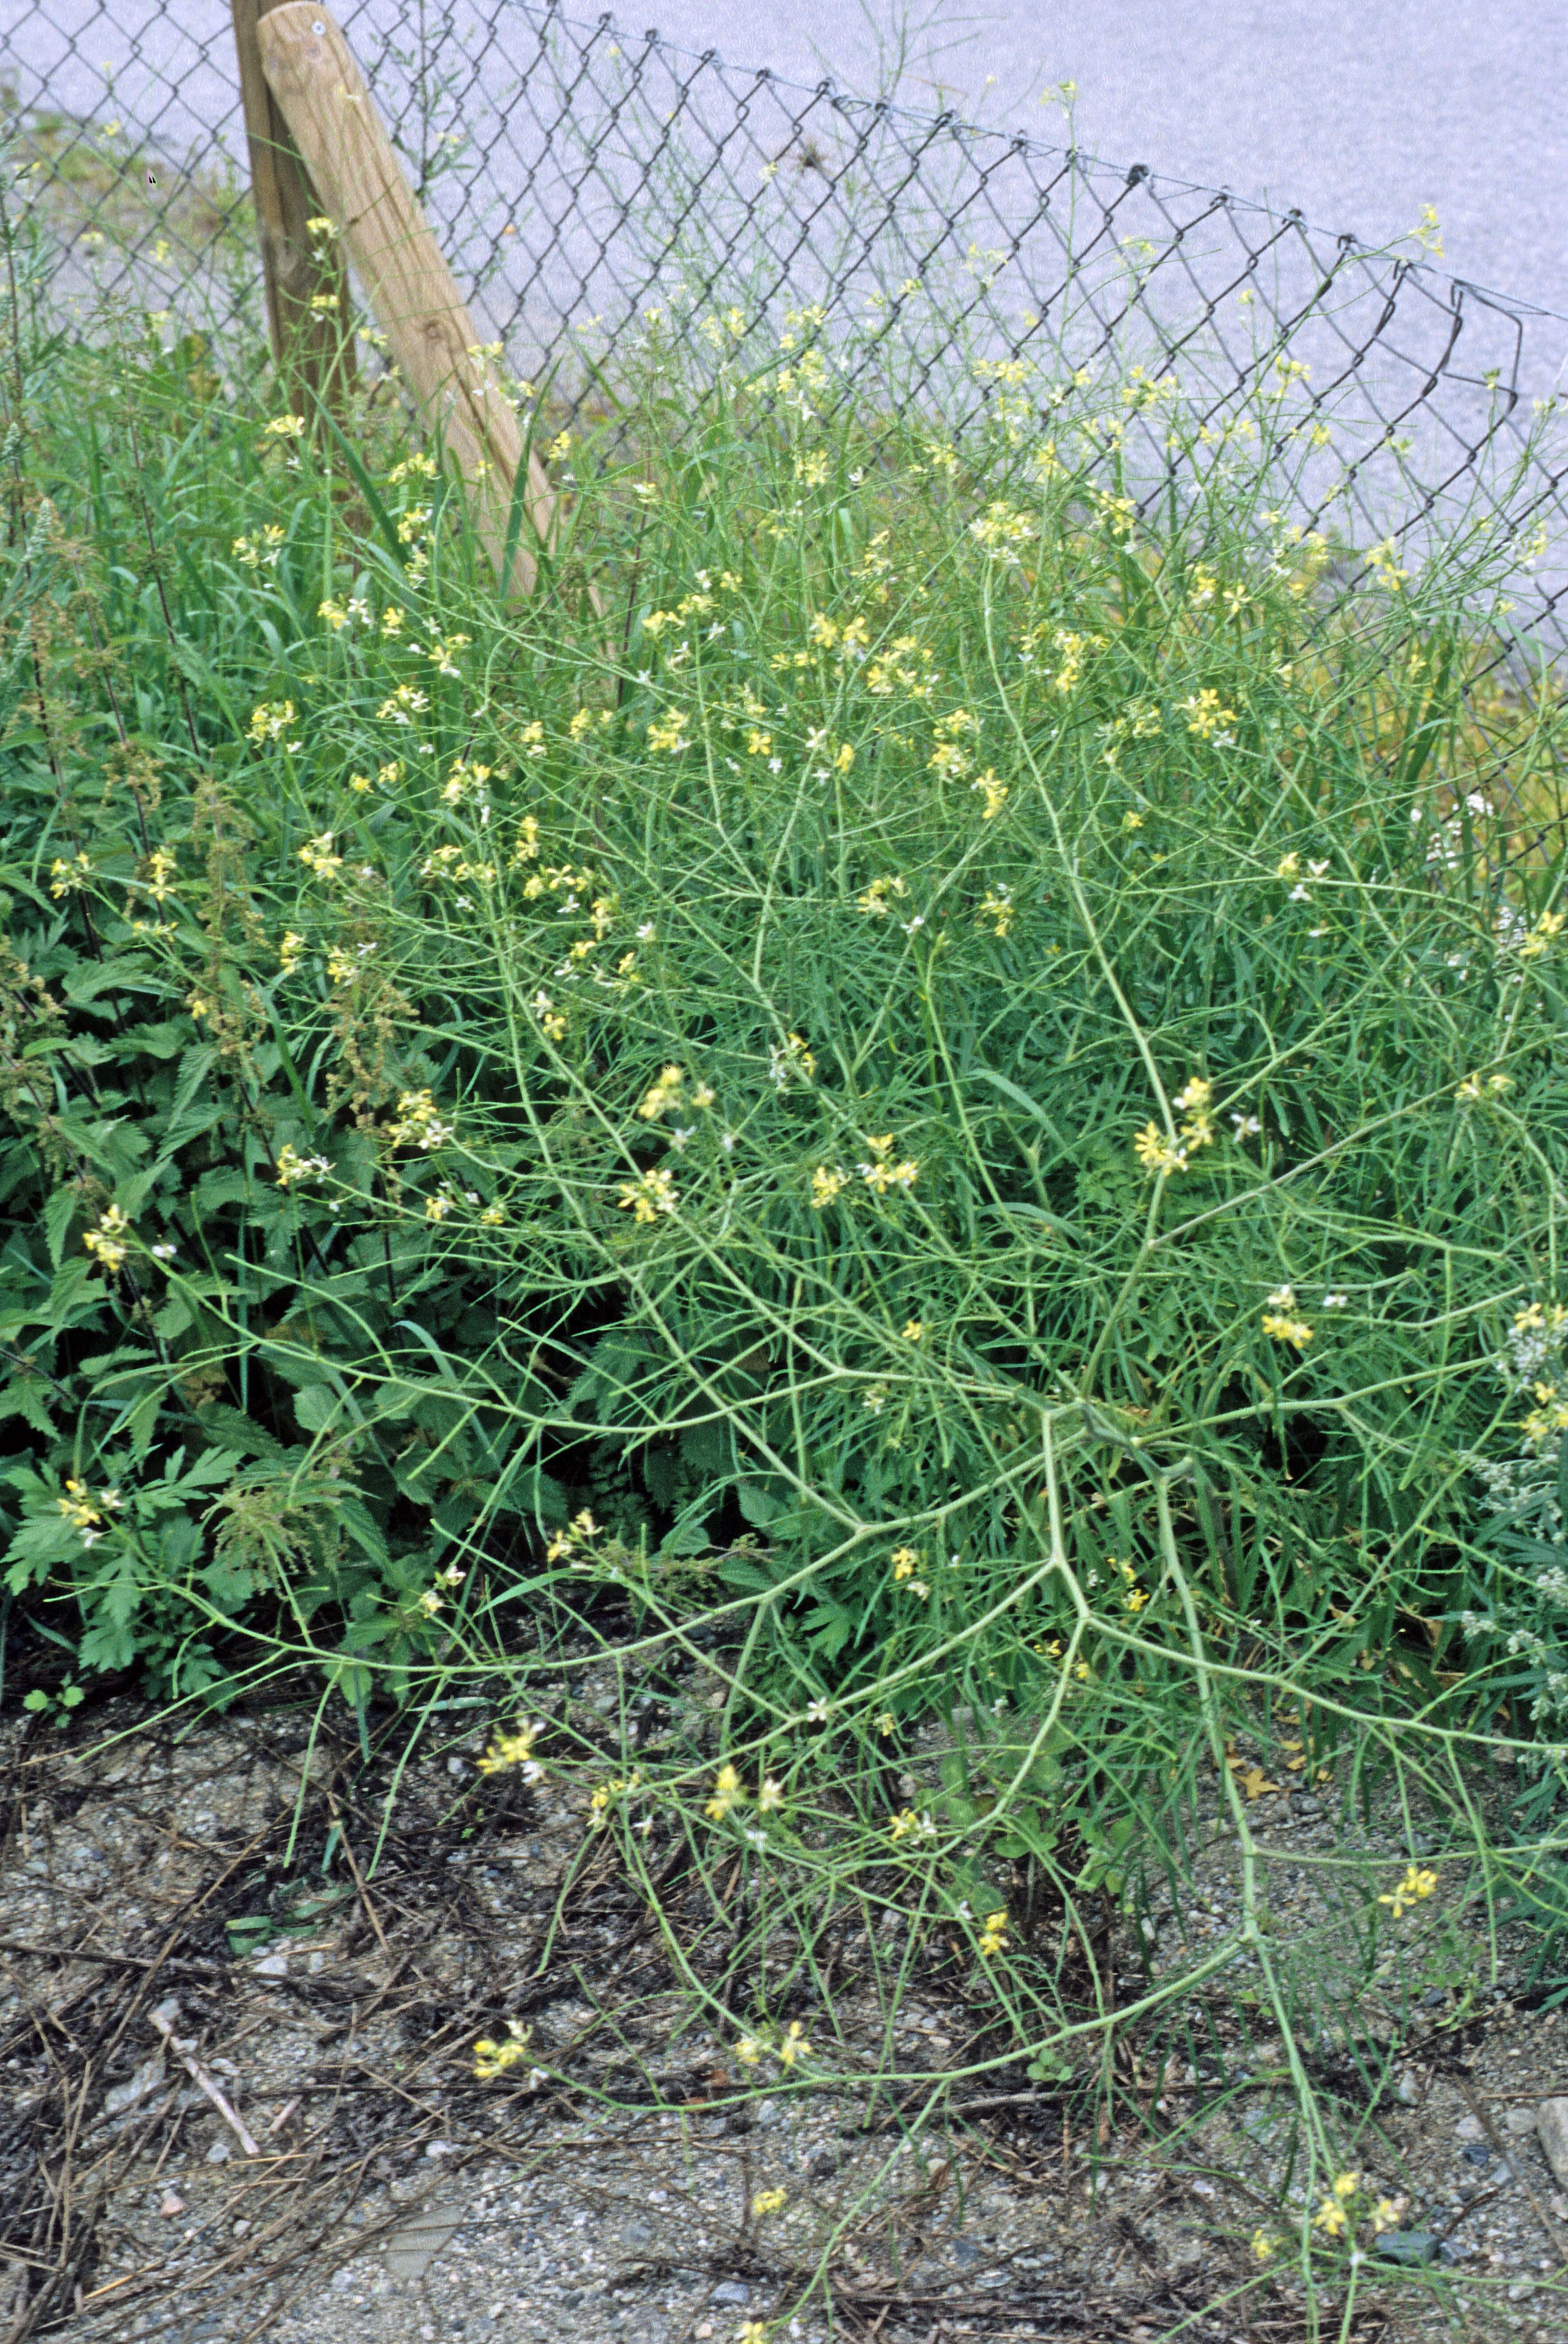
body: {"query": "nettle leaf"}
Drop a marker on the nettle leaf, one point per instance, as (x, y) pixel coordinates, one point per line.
(63, 1207)
(317, 1407)
(24, 1396)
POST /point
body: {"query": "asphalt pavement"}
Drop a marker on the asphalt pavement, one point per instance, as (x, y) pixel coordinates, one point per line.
(1360, 114)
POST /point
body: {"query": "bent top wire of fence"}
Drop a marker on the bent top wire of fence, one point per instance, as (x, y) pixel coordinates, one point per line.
(593, 191)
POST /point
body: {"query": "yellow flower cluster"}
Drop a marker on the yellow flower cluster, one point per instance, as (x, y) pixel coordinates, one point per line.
(619, 1786)
(1205, 715)
(261, 551)
(998, 908)
(905, 1560)
(270, 719)
(996, 794)
(565, 1544)
(493, 2059)
(514, 1749)
(669, 1091)
(293, 1167)
(107, 1242)
(1279, 1322)
(993, 1936)
(418, 1124)
(786, 2046)
(69, 878)
(1418, 1883)
(86, 1513)
(319, 858)
(1545, 934)
(648, 1195)
(881, 1176)
(1004, 531)
(729, 1793)
(907, 1824)
(1157, 1152)
(949, 759)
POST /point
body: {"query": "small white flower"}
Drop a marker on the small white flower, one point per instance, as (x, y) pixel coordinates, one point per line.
(1283, 1297)
(819, 1713)
(1335, 1301)
(1246, 1125)
(776, 765)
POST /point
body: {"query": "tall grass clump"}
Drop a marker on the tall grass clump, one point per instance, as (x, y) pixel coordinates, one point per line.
(917, 1147)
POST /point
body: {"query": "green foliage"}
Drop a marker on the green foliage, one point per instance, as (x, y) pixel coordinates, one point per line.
(972, 971)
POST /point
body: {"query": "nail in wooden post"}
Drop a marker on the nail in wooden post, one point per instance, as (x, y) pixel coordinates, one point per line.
(331, 116)
(308, 318)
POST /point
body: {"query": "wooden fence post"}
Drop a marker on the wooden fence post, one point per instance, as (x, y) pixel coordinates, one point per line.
(308, 318)
(331, 116)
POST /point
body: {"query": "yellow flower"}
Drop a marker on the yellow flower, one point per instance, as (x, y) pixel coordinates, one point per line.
(318, 857)
(914, 1329)
(76, 1506)
(1262, 2246)
(995, 795)
(1284, 1329)
(1547, 929)
(727, 1794)
(69, 878)
(1330, 2216)
(1000, 909)
(438, 1208)
(769, 2201)
(794, 2045)
(769, 1796)
(107, 1242)
(1204, 714)
(904, 1559)
(292, 1166)
(1417, 1884)
(887, 1723)
(749, 2051)
(1346, 2187)
(825, 1184)
(993, 1936)
(1137, 1596)
(514, 1749)
(647, 1198)
(1155, 1152)
(492, 2059)
(907, 1824)
(271, 719)
(664, 1093)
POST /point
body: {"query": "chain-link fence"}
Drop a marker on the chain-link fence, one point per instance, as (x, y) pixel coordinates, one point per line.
(583, 181)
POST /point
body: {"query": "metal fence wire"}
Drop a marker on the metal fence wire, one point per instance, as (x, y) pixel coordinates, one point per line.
(590, 187)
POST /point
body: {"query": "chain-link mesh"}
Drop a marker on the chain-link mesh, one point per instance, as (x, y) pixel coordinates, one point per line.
(581, 178)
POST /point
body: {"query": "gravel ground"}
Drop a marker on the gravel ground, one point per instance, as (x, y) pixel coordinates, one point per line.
(355, 2179)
